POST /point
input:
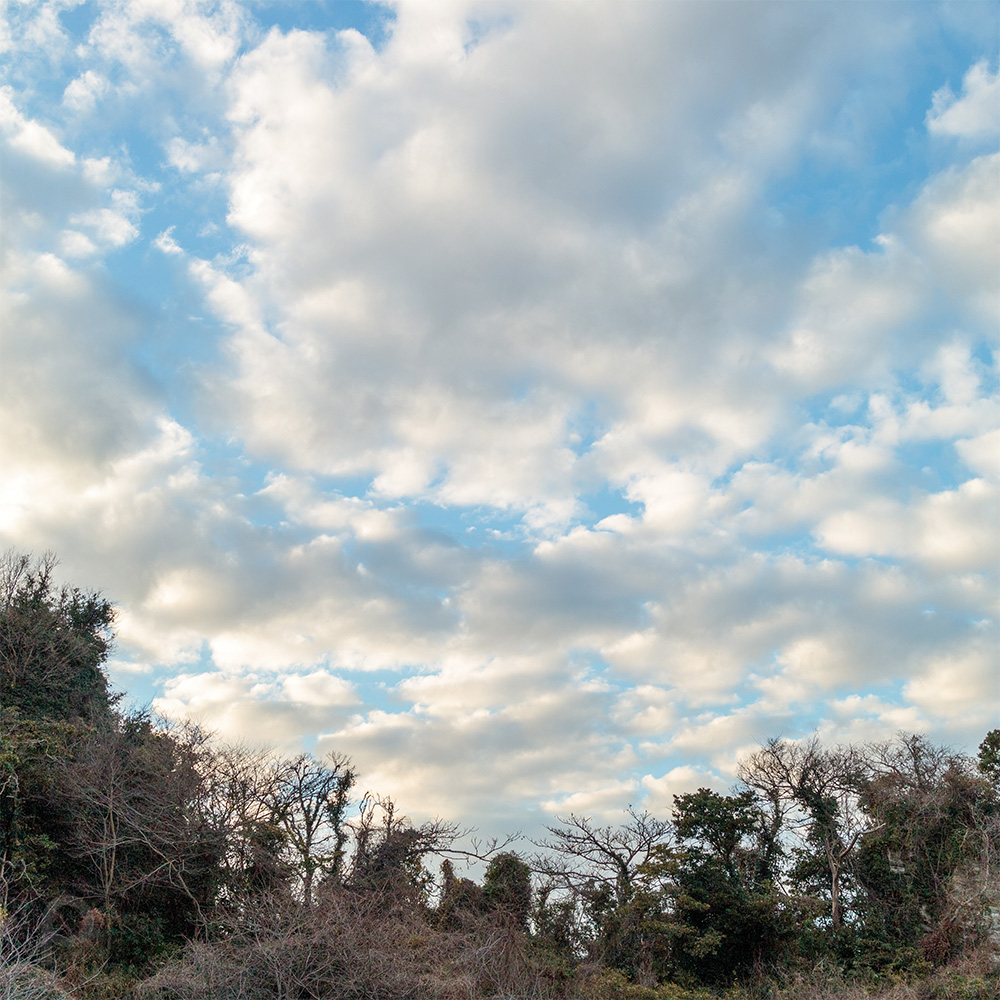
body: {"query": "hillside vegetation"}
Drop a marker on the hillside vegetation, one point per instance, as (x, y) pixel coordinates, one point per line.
(140, 859)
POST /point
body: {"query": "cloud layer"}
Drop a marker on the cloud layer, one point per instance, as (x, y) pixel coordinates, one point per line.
(541, 403)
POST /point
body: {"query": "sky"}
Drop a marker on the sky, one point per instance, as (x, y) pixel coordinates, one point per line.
(542, 403)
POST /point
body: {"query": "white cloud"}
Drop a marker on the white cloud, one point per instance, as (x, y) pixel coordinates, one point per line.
(195, 157)
(982, 454)
(852, 303)
(165, 241)
(244, 709)
(110, 227)
(960, 684)
(207, 32)
(533, 445)
(82, 93)
(76, 244)
(975, 113)
(953, 529)
(955, 224)
(661, 791)
(33, 27)
(31, 137)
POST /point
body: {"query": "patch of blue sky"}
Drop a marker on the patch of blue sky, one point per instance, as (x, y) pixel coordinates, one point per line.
(589, 664)
(842, 198)
(358, 486)
(379, 689)
(986, 354)
(194, 208)
(605, 502)
(792, 541)
(39, 79)
(932, 464)
(137, 690)
(140, 689)
(205, 232)
(79, 19)
(38, 94)
(373, 20)
(587, 426)
(176, 337)
(178, 342)
(426, 600)
(935, 465)
(503, 529)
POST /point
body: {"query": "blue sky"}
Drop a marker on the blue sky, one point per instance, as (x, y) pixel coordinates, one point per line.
(541, 403)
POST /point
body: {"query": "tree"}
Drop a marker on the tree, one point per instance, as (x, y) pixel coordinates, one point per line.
(236, 799)
(818, 788)
(989, 757)
(583, 856)
(136, 843)
(53, 696)
(601, 870)
(461, 900)
(389, 851)
(723, 913)
(53, 644)
(507, 889)
(309, 801)
(928, 865)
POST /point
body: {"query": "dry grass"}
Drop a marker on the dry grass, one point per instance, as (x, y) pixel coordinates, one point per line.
(355, 946)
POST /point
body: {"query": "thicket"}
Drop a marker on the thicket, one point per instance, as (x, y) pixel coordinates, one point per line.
(140, 859)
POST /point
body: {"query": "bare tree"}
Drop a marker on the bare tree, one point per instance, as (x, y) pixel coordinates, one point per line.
(309, 800)
(239, 790)
(389, 851)
(817, 790)
(24, 942)
(579, 854)
(130, 788)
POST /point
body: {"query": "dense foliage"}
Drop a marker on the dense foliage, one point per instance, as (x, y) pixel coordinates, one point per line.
(143, 859)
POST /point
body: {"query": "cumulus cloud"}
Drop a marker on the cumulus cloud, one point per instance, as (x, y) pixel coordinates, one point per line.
(493, 403)
(974, 112)
(268, 713)
(955, 529)
(31, 137)
(82, 93)
(960, 683)
(955, 223)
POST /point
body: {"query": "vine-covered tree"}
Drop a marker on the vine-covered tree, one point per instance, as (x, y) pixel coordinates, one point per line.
(933, 820)
(819, 787)
(309, 800)
(507, 889)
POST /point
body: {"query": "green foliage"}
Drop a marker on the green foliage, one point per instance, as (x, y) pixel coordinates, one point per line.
(555, 921)
(461, 899)
(507, 888)
(725, 915)
(989, 757)
(930, 816)
(718, 822)
(53, 644)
